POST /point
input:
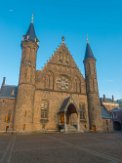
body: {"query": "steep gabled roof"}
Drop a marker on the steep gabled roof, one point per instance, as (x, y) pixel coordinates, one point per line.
(63, 56)
(8, 91)
(105, 114)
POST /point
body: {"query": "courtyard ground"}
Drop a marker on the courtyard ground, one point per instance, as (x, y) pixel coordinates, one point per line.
(61, 148)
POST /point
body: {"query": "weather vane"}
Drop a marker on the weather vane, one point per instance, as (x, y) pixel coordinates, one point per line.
(32, 18)
(87, 38)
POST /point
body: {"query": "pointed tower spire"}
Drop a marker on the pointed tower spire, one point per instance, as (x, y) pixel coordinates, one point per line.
(30, 34)
(88, 53)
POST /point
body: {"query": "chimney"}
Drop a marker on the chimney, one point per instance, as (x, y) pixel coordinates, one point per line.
(104, 98)
(3, 83)
(112, 98)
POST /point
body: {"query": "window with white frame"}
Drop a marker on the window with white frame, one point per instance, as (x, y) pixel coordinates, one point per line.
(44, 109)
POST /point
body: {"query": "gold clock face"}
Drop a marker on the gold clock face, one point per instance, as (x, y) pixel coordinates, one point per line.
(63, 83)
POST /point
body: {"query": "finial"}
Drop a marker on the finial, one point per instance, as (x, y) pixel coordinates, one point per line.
(87, 38)
(63, 39)
(32, 19)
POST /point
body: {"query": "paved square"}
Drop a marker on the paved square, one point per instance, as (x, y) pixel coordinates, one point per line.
(61, 148)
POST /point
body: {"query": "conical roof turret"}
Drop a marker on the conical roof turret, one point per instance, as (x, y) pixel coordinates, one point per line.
(89, 53)
(30, 34)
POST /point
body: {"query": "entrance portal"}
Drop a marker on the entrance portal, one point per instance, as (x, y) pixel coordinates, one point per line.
(117, 126)
(71, 116)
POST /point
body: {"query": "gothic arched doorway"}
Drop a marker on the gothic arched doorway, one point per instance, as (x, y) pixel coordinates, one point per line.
(71, 115)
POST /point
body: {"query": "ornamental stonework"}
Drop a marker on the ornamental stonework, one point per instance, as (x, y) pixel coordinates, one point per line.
(63, 83)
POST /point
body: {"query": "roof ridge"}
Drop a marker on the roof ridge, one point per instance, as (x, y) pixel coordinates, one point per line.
(10, 85)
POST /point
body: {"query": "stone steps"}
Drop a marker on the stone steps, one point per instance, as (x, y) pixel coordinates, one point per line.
(71, 128)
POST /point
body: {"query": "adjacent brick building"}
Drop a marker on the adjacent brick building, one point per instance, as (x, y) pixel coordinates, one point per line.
(56, 98)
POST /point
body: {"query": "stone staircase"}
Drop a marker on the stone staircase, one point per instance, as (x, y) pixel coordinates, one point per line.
(71, 128)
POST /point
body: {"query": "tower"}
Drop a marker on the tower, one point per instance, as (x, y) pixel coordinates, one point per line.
(94, 108)
(26, 88)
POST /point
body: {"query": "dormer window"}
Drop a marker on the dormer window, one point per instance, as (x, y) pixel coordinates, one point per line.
(82, 112)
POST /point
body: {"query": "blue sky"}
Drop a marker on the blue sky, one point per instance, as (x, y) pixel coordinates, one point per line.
(74, 19)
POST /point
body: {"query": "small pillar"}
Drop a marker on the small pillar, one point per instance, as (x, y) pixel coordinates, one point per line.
(112, 98)
(65, 123)
(78, 122)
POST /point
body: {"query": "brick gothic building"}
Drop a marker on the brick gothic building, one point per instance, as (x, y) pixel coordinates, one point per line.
(55, 98)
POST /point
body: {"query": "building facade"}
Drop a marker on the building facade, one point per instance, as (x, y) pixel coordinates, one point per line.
(117, 119)
(109, 103)
(56, 98)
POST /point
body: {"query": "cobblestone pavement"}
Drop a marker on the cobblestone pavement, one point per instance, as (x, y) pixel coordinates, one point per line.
(61, 148)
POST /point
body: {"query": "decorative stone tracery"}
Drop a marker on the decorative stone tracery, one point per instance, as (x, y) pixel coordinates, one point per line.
(63, 83)
(49, 80)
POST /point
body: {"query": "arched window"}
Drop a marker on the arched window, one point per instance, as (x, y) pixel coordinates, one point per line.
(44, 109)
(92, 68)
(8, 117)
(29, 74)
(82, 112)
(49, 81)
(91, 85)
(95, 85)
(77, 84)
(88, 67)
